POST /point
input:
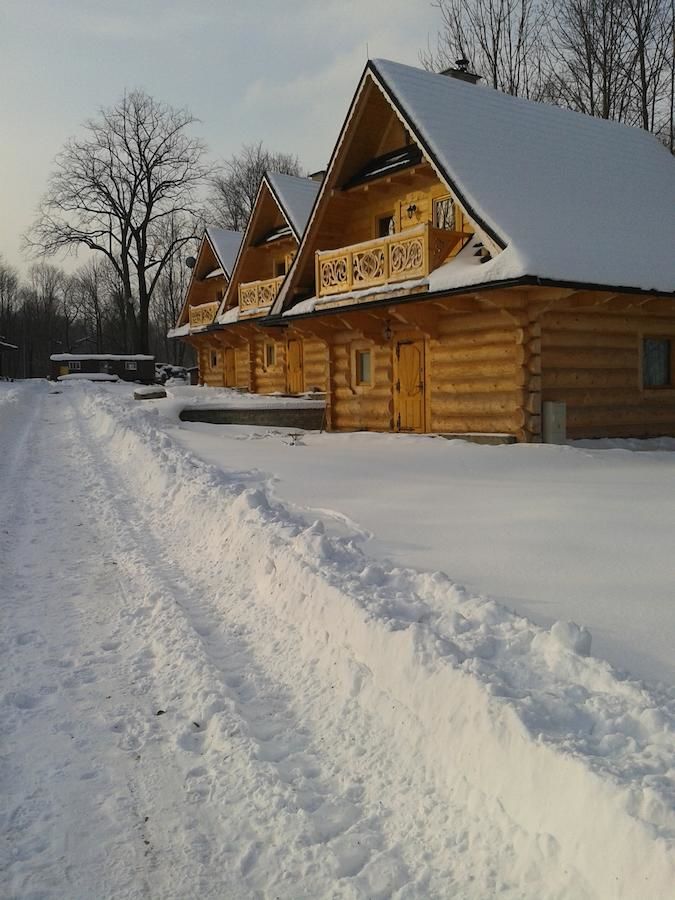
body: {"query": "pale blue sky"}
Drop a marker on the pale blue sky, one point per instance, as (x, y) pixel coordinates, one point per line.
(283, 72)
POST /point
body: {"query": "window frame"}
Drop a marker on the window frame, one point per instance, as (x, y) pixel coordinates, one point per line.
(130, 365)
(657, 388)
(378, 221)
(74, 365)
(357, 348)
(455, 208)
(267, 347)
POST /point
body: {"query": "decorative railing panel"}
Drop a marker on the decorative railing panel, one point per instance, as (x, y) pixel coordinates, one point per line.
(203, 315)
(259, 294)
(412, 253)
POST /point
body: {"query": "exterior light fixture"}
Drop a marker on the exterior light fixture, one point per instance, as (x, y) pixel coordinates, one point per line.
(412, 209)
(387, 333)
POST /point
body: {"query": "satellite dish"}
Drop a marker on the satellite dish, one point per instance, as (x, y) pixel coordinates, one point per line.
(190, 262)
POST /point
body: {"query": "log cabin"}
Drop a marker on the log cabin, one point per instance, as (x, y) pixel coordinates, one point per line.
(211, 273)
(268, 360)
(473, 258)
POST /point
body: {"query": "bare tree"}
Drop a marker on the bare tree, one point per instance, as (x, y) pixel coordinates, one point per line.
(112, 190)
(234, 189)
(503, 40)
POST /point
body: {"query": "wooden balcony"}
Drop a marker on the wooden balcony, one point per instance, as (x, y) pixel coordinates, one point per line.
(411, 254)
(255, 295)
(203, 315)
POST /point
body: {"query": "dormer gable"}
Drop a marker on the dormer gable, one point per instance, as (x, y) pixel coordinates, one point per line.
(271, 239)
(210, 276)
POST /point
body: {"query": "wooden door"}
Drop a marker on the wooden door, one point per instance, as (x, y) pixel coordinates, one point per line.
(229, 367)
(409, 386)
(295, 381)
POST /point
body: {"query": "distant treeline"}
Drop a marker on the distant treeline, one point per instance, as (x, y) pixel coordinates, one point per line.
(50, 311)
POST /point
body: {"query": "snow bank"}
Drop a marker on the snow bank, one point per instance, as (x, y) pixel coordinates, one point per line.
(505, 716)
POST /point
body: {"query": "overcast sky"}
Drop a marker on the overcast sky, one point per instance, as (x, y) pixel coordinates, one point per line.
(281, 72)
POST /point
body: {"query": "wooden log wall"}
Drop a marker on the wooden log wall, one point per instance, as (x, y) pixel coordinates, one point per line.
(315, 361)
(270, 380)
(210, 375)
(360, 409)
(358, 220)
(476, 374)
(591, 360)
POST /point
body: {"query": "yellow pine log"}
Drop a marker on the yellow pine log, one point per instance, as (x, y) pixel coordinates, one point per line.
(602, 358)
(487, 424)
(485, 385)
(463, 339)
(588, 340)
(635, 415)
(478, 404)
(479, 321)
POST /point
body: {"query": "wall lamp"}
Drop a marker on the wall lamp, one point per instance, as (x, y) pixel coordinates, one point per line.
(412, 209)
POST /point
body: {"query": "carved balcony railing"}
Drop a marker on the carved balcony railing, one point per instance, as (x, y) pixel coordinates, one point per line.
(256, 295)
(203, 315)
(413, 253)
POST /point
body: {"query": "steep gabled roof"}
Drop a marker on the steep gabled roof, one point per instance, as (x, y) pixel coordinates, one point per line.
(295, 197)
(225, 245)
(570, 198)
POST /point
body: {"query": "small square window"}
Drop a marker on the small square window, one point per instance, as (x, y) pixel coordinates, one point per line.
(214, 360)
(74, 365)
(131, 365)
(656, 362)
(279, 268)
(270, 355)
(363, 365)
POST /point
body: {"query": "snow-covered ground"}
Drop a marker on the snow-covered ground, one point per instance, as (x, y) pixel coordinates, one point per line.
(583, 533)
(208, 693)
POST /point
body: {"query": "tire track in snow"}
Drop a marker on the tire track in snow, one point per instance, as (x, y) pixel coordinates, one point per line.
(62, 780)
(308, 825)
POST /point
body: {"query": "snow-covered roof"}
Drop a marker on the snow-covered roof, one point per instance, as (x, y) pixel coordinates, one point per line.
(66, 357)
(570, 197)
(296, 198)
(179, 331)
(5, 345)
(225, 245)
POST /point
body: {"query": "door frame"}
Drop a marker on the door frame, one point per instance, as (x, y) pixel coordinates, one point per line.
(302, 365)
(411, 337)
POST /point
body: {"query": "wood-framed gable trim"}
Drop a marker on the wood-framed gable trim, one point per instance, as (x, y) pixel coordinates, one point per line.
(246, 241)
(184, 313)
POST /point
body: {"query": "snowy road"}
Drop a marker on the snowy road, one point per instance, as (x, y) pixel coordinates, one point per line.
(171, 731)
(240, 788)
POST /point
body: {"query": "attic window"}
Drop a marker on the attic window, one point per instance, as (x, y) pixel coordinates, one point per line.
(74, 365)
(275, 234)
(390, 162)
